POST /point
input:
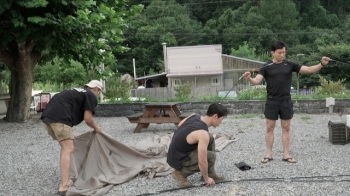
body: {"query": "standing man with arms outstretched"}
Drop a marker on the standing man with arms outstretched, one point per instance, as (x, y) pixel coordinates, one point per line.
(65, 110)
(192, 148)
(278, 76)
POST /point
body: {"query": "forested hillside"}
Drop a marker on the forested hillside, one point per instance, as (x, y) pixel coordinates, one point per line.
(66, 43)
(245, 28)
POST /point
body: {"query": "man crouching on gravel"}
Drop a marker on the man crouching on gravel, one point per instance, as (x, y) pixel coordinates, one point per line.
(192, 148)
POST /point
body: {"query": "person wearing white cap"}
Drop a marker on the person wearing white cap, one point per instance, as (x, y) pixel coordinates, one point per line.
(65, 110)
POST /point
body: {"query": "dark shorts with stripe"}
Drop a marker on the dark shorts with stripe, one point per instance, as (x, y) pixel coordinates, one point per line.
(279, 108)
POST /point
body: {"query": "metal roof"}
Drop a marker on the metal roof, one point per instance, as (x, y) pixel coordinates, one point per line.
(195, 74)
(244, 59)
(151, 76)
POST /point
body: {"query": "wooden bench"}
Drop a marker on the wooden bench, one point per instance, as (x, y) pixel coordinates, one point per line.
(166, 112)
(135, 116)
(185, 115)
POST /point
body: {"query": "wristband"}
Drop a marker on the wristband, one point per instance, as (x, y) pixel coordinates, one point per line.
(322, 64)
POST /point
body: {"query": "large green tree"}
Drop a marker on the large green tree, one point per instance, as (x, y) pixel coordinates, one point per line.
(340, 68)
(338, 7)
(72, 75)
(315, 15)
(259, 23)
(161, 21)
(203, 11)
(38, 30)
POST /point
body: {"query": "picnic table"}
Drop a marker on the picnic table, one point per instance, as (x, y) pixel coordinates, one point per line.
(166, 112)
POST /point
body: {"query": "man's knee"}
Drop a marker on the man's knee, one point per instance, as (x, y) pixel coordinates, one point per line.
(211, 157)
(67, 146)
(211, 145)
(270, 125)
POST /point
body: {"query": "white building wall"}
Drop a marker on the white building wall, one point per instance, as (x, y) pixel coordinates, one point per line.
(194, 60)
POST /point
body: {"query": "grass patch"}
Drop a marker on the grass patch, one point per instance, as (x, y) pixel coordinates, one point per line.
(250, 126)
(305, 117)
(245, 116)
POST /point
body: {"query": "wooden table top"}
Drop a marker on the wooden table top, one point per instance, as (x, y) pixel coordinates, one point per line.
(161, 104)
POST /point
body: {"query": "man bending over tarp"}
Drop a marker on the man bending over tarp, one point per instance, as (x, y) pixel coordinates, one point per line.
(65, 110)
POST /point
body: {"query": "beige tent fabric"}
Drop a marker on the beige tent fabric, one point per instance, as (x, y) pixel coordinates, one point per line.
(99, 162)
(222, 140)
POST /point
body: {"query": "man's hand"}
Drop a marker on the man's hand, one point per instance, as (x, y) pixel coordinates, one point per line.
(325, 60)
(98, 129)
(209, 182)
(247, 75)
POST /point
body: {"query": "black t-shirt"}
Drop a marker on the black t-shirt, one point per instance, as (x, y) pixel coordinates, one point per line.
(179, 148)
(68, 106)
(279, 78)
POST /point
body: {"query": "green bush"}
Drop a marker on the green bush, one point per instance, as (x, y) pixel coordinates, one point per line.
(183, 91)
(252, 94)
(115, 88)
(49, 86)
(330, 87)
(211, 98)
(59, 72)
(321, 96)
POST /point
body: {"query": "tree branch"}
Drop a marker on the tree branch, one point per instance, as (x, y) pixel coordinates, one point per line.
(30, 46)
(22, 48)
(6, 57)
(26, 49)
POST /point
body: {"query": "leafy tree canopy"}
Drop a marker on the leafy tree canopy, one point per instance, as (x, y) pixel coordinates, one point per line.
(38, 30)
(77, 30)
(160, 22)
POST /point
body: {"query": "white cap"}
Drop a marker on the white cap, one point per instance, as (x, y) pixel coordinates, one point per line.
(95, 83)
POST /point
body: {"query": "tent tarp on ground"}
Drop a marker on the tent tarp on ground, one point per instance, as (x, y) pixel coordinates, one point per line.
(99, 162)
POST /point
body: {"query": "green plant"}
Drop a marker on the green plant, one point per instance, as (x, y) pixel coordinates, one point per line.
(49, 86)
(117, 90)
(249, 126)
(58, 71)
(305, 117)
(183, 91)
(244, 51)
(245, 116)
(330, 87)
(211, 98)
(321, 96)
(5, 78)
(252, 94)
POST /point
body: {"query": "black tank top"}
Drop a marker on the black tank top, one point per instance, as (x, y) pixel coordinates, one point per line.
(179, 148)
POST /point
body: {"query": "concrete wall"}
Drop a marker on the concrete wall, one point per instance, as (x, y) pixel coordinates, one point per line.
(234, 107)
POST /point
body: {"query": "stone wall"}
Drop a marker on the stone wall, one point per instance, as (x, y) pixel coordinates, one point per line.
(234, 107)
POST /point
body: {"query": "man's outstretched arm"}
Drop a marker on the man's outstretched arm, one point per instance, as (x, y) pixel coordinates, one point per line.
(257, 80)
(315, 68)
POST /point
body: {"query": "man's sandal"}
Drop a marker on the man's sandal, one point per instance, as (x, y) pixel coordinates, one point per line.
(62, 193)
(266, 159)
(289, 160)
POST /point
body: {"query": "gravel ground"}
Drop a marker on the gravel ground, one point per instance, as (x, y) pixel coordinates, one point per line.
(29, 158)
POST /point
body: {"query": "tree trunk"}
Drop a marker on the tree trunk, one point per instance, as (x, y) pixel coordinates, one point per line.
(21, 63)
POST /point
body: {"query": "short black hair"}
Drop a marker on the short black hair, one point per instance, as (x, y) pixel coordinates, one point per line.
(216, 108)
(278, 45)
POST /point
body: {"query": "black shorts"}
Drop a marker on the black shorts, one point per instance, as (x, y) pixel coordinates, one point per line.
(283, 108)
